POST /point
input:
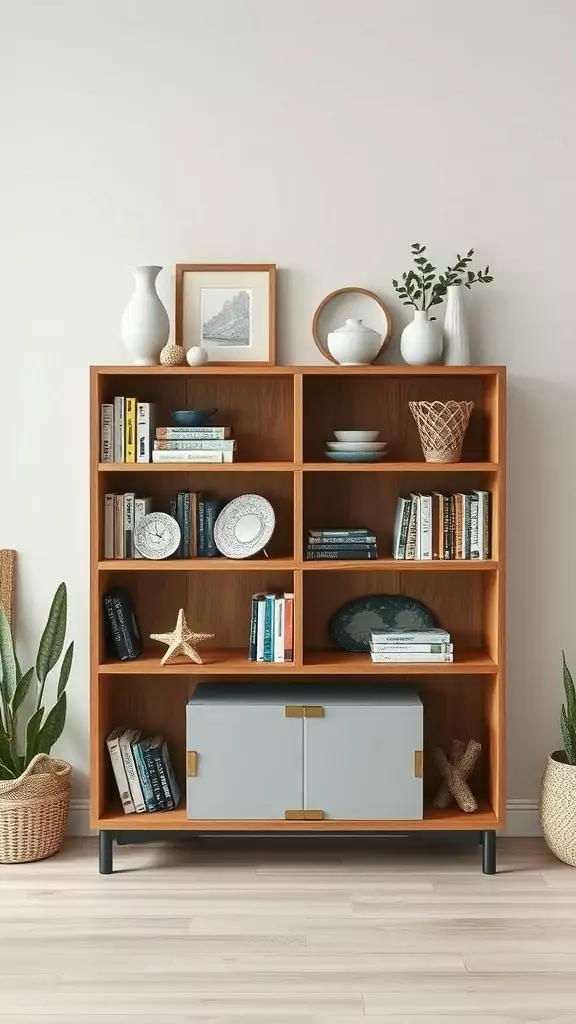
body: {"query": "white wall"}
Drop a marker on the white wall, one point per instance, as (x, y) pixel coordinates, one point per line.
(324, 135)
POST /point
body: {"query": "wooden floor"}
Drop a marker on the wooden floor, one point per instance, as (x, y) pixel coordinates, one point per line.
(344, 931)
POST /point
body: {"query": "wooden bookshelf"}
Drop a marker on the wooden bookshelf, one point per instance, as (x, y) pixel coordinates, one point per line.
(281, 417)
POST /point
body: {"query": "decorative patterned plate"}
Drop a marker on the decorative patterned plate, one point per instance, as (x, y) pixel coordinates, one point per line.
(355, 456)
(244, 526)
(157, 535)
(350, 626)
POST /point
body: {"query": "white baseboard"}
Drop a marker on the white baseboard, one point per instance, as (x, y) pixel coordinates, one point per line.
(522, 818)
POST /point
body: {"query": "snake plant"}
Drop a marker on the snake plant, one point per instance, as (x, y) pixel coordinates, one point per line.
(568, 714)
(20, 690)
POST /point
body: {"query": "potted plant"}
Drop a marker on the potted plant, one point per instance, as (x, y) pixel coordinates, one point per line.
(558, 792)
(422, 288)
(34, 788)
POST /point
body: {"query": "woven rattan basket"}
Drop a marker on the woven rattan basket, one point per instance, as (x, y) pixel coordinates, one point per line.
(558, 807)
(34, 811)
(441, 426)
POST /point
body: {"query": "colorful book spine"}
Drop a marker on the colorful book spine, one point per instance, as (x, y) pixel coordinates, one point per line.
(151, 766)
(156, 752)
(193, 433)
(126, 740)
(336, 554)
(144, 429)
(129, 550)
(253, 628)
(269, 628)
(144, 776)
(158, 456)
(130, 430)
(109, 513)
(289, 628)
(113, 744)
(119, 533)
(405, 659)
(343, 533)
(170, 777)
(119, 433)
(201, 527)
(171, 445)
(107, 432)
(260, 628)
(474, 538)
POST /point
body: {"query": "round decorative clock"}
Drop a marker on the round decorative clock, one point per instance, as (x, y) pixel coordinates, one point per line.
(157, 535)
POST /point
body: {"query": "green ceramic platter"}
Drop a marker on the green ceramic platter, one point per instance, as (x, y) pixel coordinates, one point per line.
(350, 626)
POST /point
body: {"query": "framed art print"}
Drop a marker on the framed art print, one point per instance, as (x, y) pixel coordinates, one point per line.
(227, 309)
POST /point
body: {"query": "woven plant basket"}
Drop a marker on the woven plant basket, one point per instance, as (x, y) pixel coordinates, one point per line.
(34, 811)
(441, 426)
(558, 807)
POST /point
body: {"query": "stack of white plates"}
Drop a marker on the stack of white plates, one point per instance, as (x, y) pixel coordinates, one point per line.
(356, 446)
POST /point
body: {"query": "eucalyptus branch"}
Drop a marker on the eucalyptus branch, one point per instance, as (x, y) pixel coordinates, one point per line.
(421, 288)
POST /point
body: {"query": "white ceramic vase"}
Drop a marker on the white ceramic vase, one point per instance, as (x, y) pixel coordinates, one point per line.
(354, 344)
(421, 342)
(145, 324)
(456, 343)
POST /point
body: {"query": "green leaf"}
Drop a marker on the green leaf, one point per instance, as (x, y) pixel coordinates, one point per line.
(21, 690)
(569, 690)
(5, 772)
(8, 669)
(52, 640)
(32, 730)
(52, 729)
(6, 756)
(65, 669)
(394, 283)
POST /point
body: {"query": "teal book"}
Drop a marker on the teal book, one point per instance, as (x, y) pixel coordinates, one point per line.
(269, 616)
(144, 776)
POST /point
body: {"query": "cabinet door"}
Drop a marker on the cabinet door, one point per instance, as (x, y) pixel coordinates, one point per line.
(249, 762)
(359, 762)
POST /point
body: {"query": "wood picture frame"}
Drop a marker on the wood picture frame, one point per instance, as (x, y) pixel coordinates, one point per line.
(252, 287)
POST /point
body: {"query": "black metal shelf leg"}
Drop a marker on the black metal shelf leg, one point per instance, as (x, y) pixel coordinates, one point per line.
(489, 852)
(106, 839)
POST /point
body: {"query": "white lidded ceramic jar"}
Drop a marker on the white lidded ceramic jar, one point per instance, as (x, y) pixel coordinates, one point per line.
(145, 324)
(354, 344)
(421, 342)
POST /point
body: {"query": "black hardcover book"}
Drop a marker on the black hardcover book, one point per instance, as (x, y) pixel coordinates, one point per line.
(115, 646)
(156, 752)
(201, 527)
(180, 521)
(186, 526)
(151, 766)
(253, 629)
(467, 535)
(124, 639)
(346, 542)
(212, 510)
(344, 548)
(332, 554)
(446, 528)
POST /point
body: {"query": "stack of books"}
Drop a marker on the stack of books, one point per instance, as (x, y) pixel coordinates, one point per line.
(447, 526)
(351, 545)
(272, 628)
(126, 430)
(411, 645)
(196, 514)
(143, 771)
(193, 444)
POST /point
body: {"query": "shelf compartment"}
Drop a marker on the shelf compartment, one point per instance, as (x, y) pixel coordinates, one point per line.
(262, 418)
(277, 488)
(333, 402)
(434, 820)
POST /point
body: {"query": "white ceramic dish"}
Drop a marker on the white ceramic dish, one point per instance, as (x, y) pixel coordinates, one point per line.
(356, 435)
(244, 526)
(357, 446)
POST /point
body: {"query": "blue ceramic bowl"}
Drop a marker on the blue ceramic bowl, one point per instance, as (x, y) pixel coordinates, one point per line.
(191, 417)
(355, 456)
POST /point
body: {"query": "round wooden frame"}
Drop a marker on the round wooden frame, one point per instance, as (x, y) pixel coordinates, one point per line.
(343, 291)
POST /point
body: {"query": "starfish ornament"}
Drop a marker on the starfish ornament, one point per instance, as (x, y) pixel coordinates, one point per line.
(181, 641)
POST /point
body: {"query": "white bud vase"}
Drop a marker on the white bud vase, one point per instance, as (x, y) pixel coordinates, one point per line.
(456, 343)
(421, 342)
(145, 324)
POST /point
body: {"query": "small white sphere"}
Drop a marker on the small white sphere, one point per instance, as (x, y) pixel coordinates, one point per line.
(197, 356)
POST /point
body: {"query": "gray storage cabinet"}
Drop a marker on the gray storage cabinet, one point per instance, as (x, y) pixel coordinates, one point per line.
(299, 752)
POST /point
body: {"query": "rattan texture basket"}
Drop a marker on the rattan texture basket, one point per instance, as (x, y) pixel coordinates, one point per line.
(558, 807)
(34, 811)
(441, 426)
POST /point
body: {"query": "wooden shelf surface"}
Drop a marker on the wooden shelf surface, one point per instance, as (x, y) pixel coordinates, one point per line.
(292, 467)
(433, 820)
(330, 661)
(290, 564)
(257, 370)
